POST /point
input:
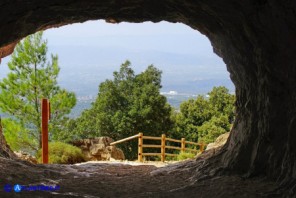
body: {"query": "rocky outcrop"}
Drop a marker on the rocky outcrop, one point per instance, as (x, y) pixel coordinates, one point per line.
(99, 149)
(255, 38)
(25, 156)
(220, 141)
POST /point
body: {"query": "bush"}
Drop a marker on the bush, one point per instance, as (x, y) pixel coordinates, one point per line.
(213, 128)
(171, 158)
(184, 156)
(62, 153)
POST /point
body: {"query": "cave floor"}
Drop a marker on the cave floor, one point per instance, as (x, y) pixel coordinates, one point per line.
(123, 180)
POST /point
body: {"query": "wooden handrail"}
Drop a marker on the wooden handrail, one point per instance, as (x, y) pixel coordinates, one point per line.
(173, 140)
(151, 146)
(124, 140)
(151, 154)
(151, 138)
(171, 154)
(194, 143)
(173, 147)
(162, 146)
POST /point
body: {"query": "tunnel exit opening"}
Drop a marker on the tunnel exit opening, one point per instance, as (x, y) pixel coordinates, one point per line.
(256, 41)
(81, 49)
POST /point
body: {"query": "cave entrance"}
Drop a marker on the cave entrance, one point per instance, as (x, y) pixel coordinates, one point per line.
(89, 53)
(256, 40)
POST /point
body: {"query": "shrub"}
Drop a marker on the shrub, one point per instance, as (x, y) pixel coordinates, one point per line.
(62, 153)
(171, 158)
(184, 155)
(213, 128)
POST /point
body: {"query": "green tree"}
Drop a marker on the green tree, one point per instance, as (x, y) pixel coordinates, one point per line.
(126, 105)
(31, 78)
(193, 113)
(222, 102)
(210, 130)
(17, 136)
(205, 119)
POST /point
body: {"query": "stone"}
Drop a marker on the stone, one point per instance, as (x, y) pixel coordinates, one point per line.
(97, 149)
(115, 153)
(102, 140)
(220, 141)
(25, 156)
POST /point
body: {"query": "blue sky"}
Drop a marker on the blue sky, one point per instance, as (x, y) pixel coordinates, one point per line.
(91, 51)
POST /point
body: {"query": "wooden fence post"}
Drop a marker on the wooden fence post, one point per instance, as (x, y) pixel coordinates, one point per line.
(163, 147)
(45, 115)
(183, 145)
(140, 147)
(201, 147)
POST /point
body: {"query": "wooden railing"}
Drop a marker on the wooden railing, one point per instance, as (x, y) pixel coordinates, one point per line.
(163, 139)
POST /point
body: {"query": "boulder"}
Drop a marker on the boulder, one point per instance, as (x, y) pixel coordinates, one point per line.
(220, 141)
(97, 149)
(25, 156)
(115, 153)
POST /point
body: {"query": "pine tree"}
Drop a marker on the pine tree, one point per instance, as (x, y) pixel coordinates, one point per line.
(31, 78)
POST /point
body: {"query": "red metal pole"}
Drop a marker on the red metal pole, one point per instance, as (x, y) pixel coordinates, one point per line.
(44, 127)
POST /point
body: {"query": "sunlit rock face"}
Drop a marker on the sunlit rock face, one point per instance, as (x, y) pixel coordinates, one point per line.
(255, 38)
(97, 149)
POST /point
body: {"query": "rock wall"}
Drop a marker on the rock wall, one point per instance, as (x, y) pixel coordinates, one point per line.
(97, 149)
(219, 142)
(255, 38)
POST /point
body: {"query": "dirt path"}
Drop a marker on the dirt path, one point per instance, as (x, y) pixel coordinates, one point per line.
(124, 179)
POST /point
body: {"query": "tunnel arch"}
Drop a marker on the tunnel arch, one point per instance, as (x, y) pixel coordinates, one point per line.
(256, 40)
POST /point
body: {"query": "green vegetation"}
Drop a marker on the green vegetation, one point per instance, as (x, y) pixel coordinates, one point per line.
(129, 104)
(126, 105)
(62, 153)
(185, 155)
(31, 78)
(16, 136)
(205, 119)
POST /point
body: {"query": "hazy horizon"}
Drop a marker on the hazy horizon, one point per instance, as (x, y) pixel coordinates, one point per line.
(90, 52)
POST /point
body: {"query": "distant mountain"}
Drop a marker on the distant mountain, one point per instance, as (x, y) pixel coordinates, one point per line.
(83, 68)
(182, 72)
(173, 100)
